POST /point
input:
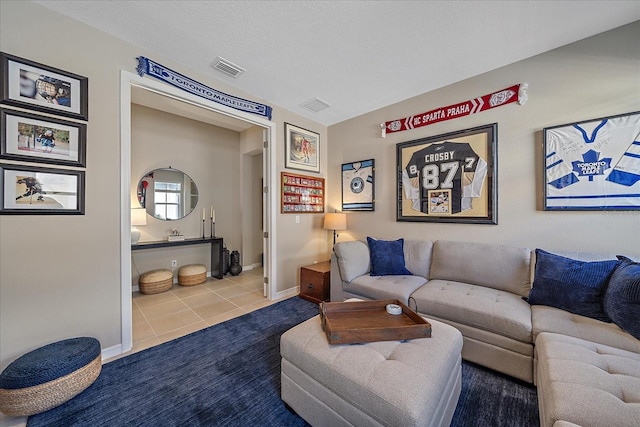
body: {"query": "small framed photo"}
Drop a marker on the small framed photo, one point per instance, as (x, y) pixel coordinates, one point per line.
(28, 190)
(358, 186)
(39, 87)
(593, 164)
(302, 150)
(449, 177)
(30, 137)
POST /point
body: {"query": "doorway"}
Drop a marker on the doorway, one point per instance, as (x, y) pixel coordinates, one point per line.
(227, 117)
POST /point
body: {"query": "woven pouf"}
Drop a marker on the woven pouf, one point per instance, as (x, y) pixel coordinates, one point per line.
(49, 376)
(192, 274)
(155, 281)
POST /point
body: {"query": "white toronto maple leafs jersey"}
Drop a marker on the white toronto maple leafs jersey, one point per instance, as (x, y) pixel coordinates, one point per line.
(448, 172)
(594, 164)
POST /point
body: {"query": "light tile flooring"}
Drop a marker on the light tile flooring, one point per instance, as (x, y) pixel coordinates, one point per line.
(185, 309)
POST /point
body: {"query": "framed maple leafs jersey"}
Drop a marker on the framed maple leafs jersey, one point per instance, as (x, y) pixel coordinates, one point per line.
(594, 164)
(449, 178)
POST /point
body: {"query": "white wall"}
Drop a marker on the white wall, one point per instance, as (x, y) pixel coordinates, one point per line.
(73, 288)
(596, 77)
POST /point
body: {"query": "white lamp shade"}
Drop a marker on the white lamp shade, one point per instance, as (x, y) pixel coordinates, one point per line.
(335, 221)
(138, 216)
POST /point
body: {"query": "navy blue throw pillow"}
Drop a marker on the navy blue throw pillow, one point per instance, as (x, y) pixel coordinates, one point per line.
(622, 299)
(387, 257)
(575, 286)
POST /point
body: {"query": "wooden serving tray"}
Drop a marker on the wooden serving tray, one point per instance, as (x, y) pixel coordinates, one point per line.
(367, 321)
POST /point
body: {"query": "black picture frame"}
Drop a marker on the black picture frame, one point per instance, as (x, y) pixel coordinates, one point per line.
(35, 86)
(302, 149)
(593, 165)
(358, 185)
(450, 178)
(23, 137)
(30, 190)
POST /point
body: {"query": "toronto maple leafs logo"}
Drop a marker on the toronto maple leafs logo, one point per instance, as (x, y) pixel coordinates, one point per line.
(591, 165)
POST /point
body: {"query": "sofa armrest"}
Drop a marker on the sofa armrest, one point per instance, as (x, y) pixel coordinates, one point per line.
(335, 290)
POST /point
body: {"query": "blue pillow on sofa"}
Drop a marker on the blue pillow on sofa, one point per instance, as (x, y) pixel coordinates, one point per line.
(387, 257)
(622, 299)
(575, 286)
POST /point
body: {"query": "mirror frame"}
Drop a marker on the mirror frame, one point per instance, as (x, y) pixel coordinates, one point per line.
(189, 193)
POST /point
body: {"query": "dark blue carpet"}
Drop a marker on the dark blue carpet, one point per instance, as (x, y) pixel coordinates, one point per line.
(229, 375)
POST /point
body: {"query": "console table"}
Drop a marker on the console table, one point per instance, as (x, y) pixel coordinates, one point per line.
(216, 250)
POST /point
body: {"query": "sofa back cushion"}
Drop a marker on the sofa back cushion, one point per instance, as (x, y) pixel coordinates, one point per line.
(417, 256)
(495, 266)
(353, 259)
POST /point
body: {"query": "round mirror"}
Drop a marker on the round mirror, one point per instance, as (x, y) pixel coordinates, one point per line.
(167, 194)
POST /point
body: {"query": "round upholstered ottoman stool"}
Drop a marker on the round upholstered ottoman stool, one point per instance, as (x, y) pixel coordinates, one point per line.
(49, 376)
(155, 281)
(192, 274)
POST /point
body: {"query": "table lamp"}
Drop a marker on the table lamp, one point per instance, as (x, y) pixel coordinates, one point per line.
(138, 217)
(335, 221)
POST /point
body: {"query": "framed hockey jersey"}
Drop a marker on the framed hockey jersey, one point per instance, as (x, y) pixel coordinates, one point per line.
(593, 164)
(449, 177)
(358, 186)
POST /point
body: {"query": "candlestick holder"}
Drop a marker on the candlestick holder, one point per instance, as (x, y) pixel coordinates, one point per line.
(213, 228)
(203, 228)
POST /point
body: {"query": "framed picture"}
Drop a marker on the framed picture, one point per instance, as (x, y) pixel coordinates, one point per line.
(449, 177)
(302, 149)
(39, 87)
(30, 137)
(358, 186)
(41, 191)
(301, 194)
(593, 164)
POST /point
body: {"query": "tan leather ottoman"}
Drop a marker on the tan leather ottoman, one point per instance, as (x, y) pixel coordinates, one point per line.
(401, 383)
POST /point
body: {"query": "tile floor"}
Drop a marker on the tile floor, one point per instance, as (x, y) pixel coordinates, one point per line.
(185, 309)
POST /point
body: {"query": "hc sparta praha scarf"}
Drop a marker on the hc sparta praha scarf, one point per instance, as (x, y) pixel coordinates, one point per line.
(515, 93)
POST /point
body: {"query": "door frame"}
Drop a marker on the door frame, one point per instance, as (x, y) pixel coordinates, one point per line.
(127, 80)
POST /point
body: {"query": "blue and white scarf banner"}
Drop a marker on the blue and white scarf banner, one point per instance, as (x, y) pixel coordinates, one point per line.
(147, 66)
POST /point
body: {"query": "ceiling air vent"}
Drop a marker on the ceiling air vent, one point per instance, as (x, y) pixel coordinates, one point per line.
(315, 105)
(227, 67)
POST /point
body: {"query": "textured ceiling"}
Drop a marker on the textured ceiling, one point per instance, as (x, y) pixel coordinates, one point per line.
(356, 56)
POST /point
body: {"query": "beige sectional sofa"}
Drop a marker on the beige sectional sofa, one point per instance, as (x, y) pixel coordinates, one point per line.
(587, 371)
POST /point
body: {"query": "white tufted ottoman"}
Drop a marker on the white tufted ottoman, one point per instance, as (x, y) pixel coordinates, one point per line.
(392, 383)
(584, 383)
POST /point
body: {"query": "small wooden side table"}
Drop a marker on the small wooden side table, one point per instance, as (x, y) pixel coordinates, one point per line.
(315, 280)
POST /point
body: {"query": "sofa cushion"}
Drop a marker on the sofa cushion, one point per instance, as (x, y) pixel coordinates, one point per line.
(387, 257)
(586, 383)
(495, 266)
(572, 285)
(417, 256)
(550, 319)
(385, 287)
(622, 298)
(353, 259)
(480, 307)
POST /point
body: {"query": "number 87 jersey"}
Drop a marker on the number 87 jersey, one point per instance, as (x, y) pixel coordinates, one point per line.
(449, 166)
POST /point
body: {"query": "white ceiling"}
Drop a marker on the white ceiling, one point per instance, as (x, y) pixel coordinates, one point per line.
(356, 56)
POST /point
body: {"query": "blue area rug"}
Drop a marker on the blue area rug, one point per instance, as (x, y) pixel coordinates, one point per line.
(229, 375)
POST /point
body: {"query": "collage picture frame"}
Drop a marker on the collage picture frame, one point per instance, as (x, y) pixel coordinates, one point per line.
(34, 99)
(36, 86)
(28, 190)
